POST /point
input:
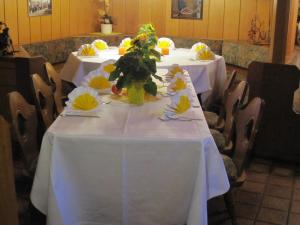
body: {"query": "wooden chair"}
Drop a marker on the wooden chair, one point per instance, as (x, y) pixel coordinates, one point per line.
(56, 84)
(246, 125)
(8, 203)
(44, 100)
(24, 123)
(213, 119)
(234, 100)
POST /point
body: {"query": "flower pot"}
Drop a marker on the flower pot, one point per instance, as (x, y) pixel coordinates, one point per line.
(136, 93)
(106, 28)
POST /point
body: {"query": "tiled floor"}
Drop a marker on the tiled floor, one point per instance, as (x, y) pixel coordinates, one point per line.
(270, 196)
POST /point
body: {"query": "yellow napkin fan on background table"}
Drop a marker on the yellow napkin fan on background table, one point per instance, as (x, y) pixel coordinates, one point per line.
(87, 50)
(100, 45)
(199, 46)
(205, 54)
(165, 43)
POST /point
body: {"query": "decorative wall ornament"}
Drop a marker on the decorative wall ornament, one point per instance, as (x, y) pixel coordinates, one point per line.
(39, 7)
(258, 32)
(187, 9)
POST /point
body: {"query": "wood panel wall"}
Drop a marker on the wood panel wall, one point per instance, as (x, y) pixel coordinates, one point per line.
(222, 19)
(69, 17)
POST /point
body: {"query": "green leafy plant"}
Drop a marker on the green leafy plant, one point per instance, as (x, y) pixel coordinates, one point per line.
(139, 63)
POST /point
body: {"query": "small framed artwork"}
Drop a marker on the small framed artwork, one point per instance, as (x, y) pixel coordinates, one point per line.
(39, 7)
(187, 9)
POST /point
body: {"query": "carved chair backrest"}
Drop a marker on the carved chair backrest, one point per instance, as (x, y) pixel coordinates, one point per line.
(247, 122)
(56, 84)
(44, 100)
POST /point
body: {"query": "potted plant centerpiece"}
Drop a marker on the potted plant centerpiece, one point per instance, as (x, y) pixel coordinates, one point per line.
(136, 69)
(106, 19)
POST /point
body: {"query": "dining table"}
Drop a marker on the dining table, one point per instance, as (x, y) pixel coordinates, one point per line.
(208, 76)
(129, 166)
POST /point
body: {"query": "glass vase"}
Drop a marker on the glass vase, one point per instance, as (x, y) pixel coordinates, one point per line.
(136, 93)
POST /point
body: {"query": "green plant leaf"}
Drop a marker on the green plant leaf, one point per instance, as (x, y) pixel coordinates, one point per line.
(151, 88)
(157, 77)
(114, 75)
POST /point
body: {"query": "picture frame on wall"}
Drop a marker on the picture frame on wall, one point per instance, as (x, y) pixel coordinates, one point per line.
(187, 9)
(39, 7)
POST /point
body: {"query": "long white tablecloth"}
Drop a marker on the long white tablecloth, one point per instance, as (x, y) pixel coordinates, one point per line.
(128, 167)
(208, 77)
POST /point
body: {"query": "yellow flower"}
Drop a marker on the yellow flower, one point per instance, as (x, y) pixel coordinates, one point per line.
(99, 82)
(109, 68)
(179, 84)
(205, 54)
(183, 105)
(85, 102)
(142, 37)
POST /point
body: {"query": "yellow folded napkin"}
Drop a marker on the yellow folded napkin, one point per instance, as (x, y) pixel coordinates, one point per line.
(205, 54)
(87, 50)
(108, 66)
(178, 83)
(165, 43)
(181, 102)
(126, 43)
(98, 80)
(83, 100)
(199, 46)
(100, 45)
(173, 70)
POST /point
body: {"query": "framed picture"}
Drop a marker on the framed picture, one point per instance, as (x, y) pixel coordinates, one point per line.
(39, 7)
(187, 9)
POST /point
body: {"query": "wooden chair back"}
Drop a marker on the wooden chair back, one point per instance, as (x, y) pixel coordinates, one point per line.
(247, 122)
(56, 84)
(8, 202)
(229, 83)
(234, 100)
(44, 100)
(24, 123)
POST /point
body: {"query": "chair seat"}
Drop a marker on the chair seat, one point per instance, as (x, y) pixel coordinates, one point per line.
(219, 138)
(211, 118)
(230, 167)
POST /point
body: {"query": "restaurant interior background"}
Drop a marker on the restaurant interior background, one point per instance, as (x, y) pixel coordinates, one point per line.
(271, 194)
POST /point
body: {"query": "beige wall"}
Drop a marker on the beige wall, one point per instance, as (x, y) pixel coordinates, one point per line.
(223, 19)
(69, 17)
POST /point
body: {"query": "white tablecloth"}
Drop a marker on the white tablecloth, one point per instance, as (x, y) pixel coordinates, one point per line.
(208, 77)
(128, 167)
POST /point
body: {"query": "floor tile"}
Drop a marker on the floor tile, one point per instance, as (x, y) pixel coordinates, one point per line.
(295, 207)
(297, 182)
(253, 187)
(286, 170)
(276, 203)
(262, 223)
(272, 216)
(294, 219)
(281, 181)
(242, 221)
(296, 194)
(248, 197)
(278, 191)
(259, 168)
(246, 211)
(257, 177)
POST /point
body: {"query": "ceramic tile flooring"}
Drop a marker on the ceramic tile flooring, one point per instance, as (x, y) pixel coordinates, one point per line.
(270, 196)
